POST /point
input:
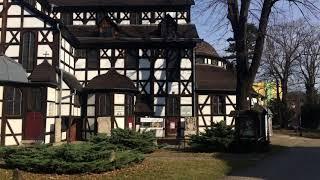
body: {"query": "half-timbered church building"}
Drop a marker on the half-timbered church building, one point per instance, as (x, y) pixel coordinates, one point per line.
(70, 69)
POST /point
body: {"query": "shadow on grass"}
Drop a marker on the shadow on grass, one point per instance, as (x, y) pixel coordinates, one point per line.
(281, 163)
(241, 161)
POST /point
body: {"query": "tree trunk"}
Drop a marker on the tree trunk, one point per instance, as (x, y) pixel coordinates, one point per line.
(279, 102)
(311, 93)
(284, 105)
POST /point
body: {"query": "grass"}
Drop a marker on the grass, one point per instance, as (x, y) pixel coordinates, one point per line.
(163, 164)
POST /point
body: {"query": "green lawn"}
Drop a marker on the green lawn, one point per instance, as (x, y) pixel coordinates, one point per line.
(164, 164)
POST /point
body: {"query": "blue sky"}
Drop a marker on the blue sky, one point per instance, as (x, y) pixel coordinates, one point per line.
(217, 35)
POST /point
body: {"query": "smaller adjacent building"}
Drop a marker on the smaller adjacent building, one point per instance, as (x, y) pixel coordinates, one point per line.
(13, 81)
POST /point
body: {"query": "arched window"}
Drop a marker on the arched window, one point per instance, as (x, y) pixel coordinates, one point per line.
(104, 105)
(28, 50)
(13, 100)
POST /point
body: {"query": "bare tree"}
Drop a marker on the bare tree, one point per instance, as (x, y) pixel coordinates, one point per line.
(239, 13)
(309, 64)
(284, 46)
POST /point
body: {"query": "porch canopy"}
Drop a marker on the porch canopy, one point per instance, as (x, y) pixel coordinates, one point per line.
(46, 74)
(111, 82)
(11, 72)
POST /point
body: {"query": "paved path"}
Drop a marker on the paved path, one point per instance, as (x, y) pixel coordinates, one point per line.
(301, 161)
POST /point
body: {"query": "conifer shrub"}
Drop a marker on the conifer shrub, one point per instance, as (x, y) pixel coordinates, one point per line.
(69, 159)
(125, 139)
(217, 138)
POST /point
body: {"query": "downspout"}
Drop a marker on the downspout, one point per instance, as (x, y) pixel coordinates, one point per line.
(194, 88)
(58, 121)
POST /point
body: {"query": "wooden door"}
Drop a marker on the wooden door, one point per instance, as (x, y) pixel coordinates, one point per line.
(75, 130)
(172, 126)
(34, 126)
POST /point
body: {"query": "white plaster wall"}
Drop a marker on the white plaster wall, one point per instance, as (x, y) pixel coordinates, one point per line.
(186, 100)
(91, 111)
(9, 36)
(51, 94)
(207, 120)
(119, 63)
(12, 51)
(50, 125)
(44, 49)
(105, 63)
(31, 22)
(173, 87)
(14, 10)
(185, 75)
(91, 99)
(120, 122)
(186, 63)
(81, 64)
(160, 64)
(90, 124)
(80, 75)
(13, 22)
(159, 101)
(52, 109)
(132, 74)
(119, 98)
(16, 125)
(92, 74)
(160, 74)
(65, 109)
(159, 111)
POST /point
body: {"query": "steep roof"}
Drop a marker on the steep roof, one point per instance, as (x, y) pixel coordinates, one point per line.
(116, 3)
(134, 33)
(111, 81)
(45, 73)
(213, 78)
(11, 71)
(205, 49)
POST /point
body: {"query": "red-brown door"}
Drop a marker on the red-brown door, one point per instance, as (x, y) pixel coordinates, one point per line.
(75, 130)
(172, 124)
(34, 126)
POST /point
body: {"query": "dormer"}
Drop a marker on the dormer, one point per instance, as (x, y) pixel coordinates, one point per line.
(168, 27)
(107, 28)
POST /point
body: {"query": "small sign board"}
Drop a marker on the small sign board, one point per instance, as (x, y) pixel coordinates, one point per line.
(145, 120)
(119, 110)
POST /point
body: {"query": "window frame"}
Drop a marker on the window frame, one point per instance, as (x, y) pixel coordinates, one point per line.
(31, 50)
(13, 101)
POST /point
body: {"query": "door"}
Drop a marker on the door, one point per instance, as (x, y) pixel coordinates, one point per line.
(75, 130)
(34, 120)
(172, 126)
(34, 126)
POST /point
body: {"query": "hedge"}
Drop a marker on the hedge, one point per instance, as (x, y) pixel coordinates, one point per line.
(100, 154)
(69, 159)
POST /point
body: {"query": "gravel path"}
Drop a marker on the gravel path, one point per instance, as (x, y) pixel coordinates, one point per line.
(301, 161)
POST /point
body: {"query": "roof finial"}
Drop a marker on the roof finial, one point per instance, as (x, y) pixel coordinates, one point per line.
(45, 55)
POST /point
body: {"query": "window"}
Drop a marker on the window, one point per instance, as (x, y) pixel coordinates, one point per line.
(173, 106)
(132, 58)
(218, 105)
(200, 60)
(173, 65)
(13, 99)
(66, 18)
(92, 58)
(28, 50)
(135, 18)
(34, 100)
(80, 53)
(129, 105)
(104, 105)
